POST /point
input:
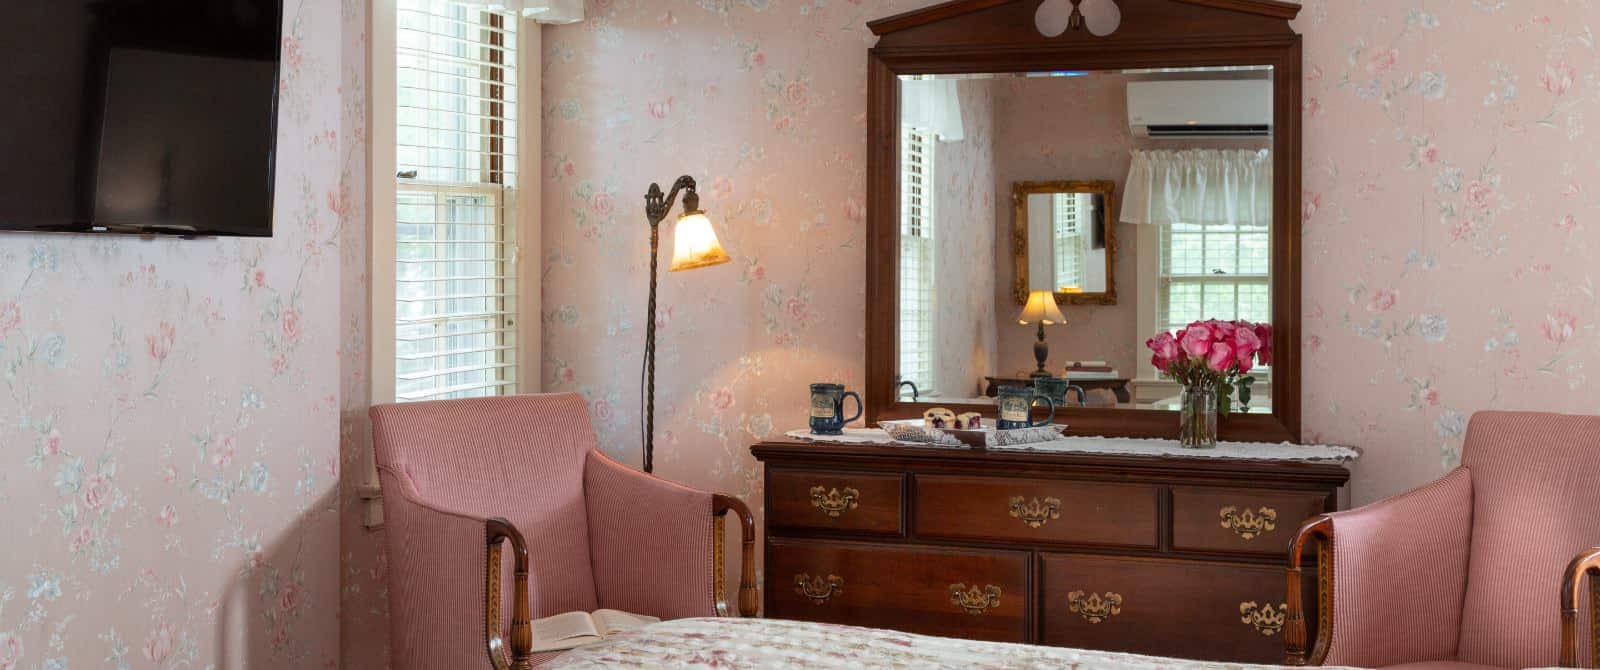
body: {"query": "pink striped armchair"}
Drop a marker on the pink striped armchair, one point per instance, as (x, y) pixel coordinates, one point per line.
(1462, 573)
(462, 477)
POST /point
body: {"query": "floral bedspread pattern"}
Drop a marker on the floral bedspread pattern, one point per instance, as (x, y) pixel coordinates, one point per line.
(743, 644)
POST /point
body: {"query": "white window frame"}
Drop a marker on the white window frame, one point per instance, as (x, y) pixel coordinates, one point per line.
(1067, 231)
(917, 356)
(383, 188)
(1211, 274)
(381, 231)
(1153, 286)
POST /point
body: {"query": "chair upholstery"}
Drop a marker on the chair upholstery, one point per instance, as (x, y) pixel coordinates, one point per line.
(1400, 572)
(1464, 571)
(599, 534)
(648, 541)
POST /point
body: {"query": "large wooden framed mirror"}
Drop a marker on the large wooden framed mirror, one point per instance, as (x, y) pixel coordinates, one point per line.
(1185, 119)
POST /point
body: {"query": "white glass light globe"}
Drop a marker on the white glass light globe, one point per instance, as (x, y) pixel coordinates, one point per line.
(1101, 17)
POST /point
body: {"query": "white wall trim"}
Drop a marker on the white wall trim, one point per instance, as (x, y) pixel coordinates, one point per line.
(530, 207)
(381, 191)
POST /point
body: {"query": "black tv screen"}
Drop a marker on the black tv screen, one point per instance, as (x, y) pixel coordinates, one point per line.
(139, 116)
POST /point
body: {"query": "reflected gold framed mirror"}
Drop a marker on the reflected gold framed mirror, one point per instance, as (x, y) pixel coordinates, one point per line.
(1063, 242)
(1146, 172)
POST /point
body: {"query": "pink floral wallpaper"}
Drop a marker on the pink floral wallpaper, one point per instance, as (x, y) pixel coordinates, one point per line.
(181, 423)
(1449, 224)
(1447, 220)
(169, 459)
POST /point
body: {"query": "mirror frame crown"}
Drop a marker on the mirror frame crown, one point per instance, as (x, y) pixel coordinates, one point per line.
(998, 36)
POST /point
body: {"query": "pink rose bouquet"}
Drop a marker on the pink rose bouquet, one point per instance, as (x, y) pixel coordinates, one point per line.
(1214, 354)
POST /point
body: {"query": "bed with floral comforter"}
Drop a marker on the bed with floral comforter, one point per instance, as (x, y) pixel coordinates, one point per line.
(745, 644)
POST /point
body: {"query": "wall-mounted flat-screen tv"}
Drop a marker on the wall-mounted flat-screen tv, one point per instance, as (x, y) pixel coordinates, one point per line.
(139, 116)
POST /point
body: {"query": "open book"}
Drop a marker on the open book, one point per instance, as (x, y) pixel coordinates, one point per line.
(573, 629)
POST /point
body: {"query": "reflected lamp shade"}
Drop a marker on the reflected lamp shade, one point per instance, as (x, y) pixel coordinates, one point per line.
(1041, 309)
(694, 243)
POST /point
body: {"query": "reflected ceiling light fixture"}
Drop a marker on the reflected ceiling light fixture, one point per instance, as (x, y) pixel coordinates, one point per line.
(1053, 17)
(1100, 17)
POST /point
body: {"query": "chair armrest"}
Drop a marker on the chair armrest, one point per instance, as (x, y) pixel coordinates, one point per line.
(748, 601)
(1390, 578)
(656, 546)
(436, 551)
(1585, 564)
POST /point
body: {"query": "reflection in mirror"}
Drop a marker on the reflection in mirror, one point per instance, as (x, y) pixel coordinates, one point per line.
(1062, 242)
(1141, 198)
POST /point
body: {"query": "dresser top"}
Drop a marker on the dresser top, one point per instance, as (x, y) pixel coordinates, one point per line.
(873, 448)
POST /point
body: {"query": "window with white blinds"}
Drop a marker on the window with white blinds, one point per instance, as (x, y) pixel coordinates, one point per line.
(916, 258)
(1213, 272)
(455, 190)
(1068, 241)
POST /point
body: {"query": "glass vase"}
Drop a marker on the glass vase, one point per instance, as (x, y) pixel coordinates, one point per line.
(1197, 418)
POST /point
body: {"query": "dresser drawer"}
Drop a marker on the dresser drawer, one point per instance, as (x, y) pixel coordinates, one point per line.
(1254, 521)
(971, 594)
(1163, 607)
(854, 501)
(993, 508)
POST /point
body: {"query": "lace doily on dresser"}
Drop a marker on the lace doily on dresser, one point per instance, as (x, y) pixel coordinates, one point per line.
(1123, 446)
(855, 436)
(1256, 451)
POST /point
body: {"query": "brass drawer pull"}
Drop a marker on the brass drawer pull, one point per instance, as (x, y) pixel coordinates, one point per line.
(818, 589)
(1036, 512)
(834, 502)
(1249, 524)
(974, 600)
(1266, 620)
(1093, 607)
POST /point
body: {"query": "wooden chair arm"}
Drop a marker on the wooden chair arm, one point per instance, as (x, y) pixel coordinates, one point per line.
(749, 604)
(1586, 563)
(498, 530)
(1294, 631)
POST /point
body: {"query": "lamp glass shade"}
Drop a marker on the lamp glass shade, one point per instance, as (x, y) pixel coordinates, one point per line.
(694, 243)
(1101, 17)
(1041, 308)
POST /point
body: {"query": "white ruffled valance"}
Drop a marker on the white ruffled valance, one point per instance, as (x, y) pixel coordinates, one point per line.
(934, 105)
(1199, 186)
(543, 11)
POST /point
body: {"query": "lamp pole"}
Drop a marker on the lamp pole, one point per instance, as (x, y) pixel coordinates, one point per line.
(656, 207)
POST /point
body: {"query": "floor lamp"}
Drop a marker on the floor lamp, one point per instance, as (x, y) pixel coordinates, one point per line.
(694, 245)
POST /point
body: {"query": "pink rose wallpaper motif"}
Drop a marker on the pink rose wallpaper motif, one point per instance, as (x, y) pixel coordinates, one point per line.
(175, 414)
(170, 416)
(1444, 211)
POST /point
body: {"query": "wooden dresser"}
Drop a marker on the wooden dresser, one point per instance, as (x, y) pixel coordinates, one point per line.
(1168, 556)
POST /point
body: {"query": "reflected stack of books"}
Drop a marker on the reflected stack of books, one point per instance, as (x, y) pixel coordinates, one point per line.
(1087, 370)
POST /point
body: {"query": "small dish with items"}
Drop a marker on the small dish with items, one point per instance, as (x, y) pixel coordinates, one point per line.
(943, 427)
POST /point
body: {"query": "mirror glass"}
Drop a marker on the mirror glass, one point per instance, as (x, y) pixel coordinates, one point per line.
(1067, 246)
(1138, 201)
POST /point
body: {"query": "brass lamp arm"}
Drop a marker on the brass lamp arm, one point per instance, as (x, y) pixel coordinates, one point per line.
(656, 206)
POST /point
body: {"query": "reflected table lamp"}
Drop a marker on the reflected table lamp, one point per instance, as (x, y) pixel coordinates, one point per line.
(1041, 310)
(694, 245)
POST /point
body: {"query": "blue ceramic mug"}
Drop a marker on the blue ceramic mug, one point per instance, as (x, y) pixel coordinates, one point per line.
(827, 408)
(1016, 407)
(1056, 389)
